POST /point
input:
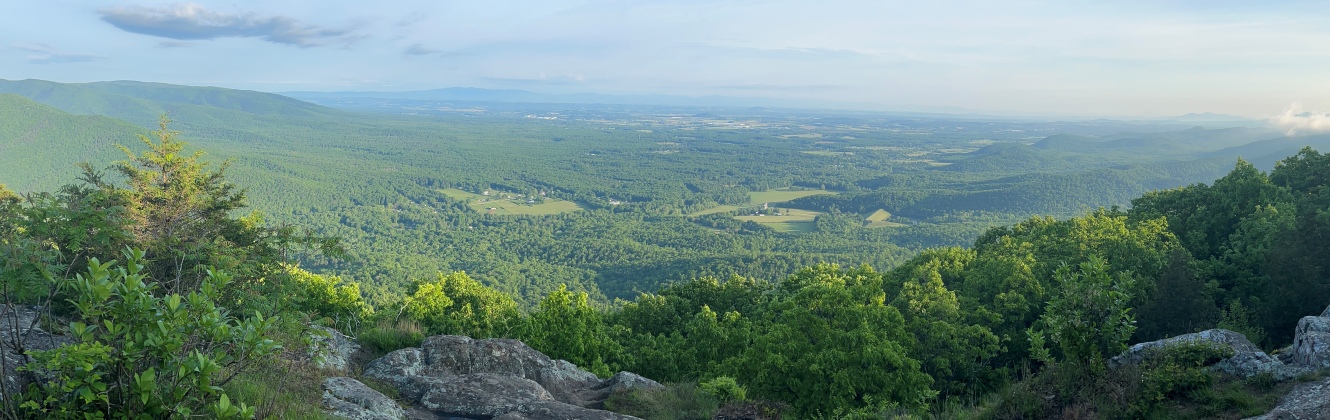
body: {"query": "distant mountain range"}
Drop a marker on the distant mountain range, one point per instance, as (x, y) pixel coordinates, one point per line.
(142, 103)
(470, 94)
(467, 94)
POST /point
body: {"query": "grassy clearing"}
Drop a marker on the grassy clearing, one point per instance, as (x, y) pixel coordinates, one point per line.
(826, 153)
(550, 206)
(879, 219)
(794, 220)
(781, 195)
(482, 203)
(959, 150)
(713, 210)
(929, 162)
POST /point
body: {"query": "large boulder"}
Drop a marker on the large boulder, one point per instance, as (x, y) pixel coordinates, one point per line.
(1311, 341)
(330, 349)
(1305, 402)
(21, 332)
(350, 399)
(1247, 359)
(456, 375)
(483, 394)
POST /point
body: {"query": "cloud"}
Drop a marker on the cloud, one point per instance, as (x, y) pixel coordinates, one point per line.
(417, 49)
(189, 21)
(46, 54)
(1294, 120)
(175, 44)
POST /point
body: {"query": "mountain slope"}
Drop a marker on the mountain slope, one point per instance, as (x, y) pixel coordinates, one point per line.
(142, 103)
(40, 146)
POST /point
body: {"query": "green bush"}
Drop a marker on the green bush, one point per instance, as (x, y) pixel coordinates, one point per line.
(139, 355)
(725, 388)
(674, 402)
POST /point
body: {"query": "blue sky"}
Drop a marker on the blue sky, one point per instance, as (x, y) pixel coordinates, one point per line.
(1034, 57)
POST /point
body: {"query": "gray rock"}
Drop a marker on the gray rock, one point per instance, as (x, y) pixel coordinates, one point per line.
(458, 355)
(1247, 360)
(351, 399)
(483, 395)
(628, 381)
(330, 349)
(1305, 402)
(403, 369)
(1248, 364)
(1311, 342)
(554, 410)
(497, 378)
(1326, 313)
(19, 327)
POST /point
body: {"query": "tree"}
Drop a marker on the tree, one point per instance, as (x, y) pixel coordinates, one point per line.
(179, 208)
(566, 327)
(1090, 317)
(1182, 302)
(456, 304)
(833, 346)
(954, 353)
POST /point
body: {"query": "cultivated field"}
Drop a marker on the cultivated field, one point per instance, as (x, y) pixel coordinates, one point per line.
(794, 221)
(879, 219)
(502, 205)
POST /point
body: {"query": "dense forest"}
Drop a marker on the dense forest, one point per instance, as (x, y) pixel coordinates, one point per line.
(402, 187)
(984, 279)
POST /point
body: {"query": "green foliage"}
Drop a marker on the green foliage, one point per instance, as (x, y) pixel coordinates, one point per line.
(674, 402)
(955, 353)
(725, 388)
(386, 337)
(834, 344)
(179, 208)
(1182, 302)
(565, 326)
(325, 296)
(1089, 319)
(1239, 318)
(136, 353)
(456, 304)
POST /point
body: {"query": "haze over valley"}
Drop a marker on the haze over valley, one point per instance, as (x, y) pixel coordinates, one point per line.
(756, 210)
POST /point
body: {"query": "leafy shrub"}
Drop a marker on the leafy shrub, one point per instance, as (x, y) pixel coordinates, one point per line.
(726, 389)
(1089, 319)
(674, 402)
(137, 354)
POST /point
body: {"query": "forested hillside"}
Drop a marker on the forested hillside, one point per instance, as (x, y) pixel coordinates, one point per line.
(614, 200)
(169, 290)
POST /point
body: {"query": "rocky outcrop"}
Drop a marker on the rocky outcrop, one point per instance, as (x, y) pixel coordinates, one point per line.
(330, 349)
(459, 376)
(350, 399)
(1247, 360)
(1305, 402)
(1310, 352)
(1311, 341)
(20, 331)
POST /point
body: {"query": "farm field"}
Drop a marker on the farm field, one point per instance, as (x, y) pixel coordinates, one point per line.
(714, 210)
(879, 219)
(794, 220)
(502, 206)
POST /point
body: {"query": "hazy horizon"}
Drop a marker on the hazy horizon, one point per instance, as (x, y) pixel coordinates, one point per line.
(1145, 59)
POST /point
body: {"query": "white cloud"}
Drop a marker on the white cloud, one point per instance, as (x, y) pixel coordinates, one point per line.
(1295, 120)
(46, 54)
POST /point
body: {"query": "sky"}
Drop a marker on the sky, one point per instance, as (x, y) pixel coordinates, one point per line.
(1068, 57)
